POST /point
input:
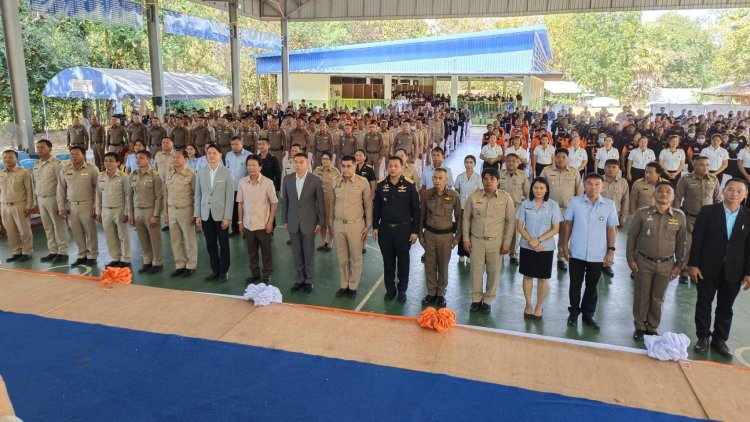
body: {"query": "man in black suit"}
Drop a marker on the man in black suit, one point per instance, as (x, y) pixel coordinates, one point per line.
(719, 264)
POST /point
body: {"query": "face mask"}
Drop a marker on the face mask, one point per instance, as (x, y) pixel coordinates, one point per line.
(600, 141)
(700, 141)
(733, 146)
(691, 135)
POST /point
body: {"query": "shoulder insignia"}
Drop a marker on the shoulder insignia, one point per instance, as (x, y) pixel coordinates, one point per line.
(381, 180)
(409, 179)
(68, 164)
(368, 165)
(102, 173)
(154, 172)
(364, 179)
(54, 160)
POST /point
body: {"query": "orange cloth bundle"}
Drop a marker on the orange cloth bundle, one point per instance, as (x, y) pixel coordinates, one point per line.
(438, 320)
(112, 275)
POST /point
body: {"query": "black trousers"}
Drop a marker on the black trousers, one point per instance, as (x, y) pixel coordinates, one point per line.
(259, 240)
(235, 216)
(394, 246)
(637, 174)
(579, 270)
(462, 251)
(217, 243)
(725, 293)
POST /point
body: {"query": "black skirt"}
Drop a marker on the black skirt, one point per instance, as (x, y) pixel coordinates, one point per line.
(536, 264)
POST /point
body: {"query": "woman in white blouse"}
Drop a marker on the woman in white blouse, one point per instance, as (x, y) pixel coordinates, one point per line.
(542, 156)
(638, 158)
(517, 148)
(492, 154)
(604, 153)
(672, 160)
(466, 183)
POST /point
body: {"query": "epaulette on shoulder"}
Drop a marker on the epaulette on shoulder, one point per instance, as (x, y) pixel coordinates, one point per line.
(154, 172)
(408, 179)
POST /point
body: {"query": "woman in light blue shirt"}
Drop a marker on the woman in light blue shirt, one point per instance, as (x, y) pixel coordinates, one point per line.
(130, 165)
(194, 161)
(538, 221)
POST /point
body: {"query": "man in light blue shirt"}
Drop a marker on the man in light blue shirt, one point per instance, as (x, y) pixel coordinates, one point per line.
(437, 155)
(235, 161)
(588, 241)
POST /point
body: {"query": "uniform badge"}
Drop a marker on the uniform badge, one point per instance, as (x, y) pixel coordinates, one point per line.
(601, 218)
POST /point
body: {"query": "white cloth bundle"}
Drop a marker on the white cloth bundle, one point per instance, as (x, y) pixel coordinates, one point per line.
(668, 346)
(262, 294)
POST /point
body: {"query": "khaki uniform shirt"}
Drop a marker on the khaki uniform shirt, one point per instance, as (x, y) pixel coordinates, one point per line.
(180, 137)
(657, 235)
(146, 191)
(179, 188)
(155, 136)
(77, 135)
(201, 136)
(405, 141)
(76, 185)
(111, 192)
(641, 195)
(300, 137)
(352, 200)
(441, 211)
(277, 140)
(619, 192)
(493, 216)
(693, 192)
(347, 145)
(563, 184)
(323, 142)
(97, 134)
(117, 136)
(45, 176)
(517, 185)
(374, 143)
(163, 162)
(136, 131)
(16, 187)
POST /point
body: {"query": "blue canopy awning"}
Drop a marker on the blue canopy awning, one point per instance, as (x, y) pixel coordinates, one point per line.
(118, 84)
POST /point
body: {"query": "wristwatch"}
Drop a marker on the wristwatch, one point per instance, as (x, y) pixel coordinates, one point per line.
(611, 248)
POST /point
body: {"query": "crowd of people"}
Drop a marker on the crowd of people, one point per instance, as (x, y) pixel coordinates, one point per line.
(342, 174)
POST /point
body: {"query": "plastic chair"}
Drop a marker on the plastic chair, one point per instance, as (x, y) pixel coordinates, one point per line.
(28, 163)
(23, 155)
(2, 166)
(63, 157)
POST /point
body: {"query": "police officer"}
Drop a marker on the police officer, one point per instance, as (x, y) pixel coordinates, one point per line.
(117, 137)
(16, 204)
(564, 184)
(409, 170)
(145, 202)
(248, 136)
(347, 143)
(373, 145)
(440, 231)
(299, 135)
(201, 134)
(76, 188)
(111, 210)
(395, 226)
(277, 140)
(77, 134)
(352, 217)
(179, 135)
(616, 189)
(693, 191)
(655, 253)
(322, 142)
(44, 175)
(155, 134)
(136, 129)
(97, 136)
(405, 140)
(224, 135)
(516, 183)
(642, 192)
(488, 227)
(179, 196)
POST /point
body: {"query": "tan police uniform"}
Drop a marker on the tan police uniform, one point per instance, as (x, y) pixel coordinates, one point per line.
(656, 242)
(329, 177)
(180, 136)
(155, 136)
(619, 192)
(45, 175)
(352, 204)
(641, 195)
(440, 215)
(301, 137)
(97, 137)
(249, 139)
(76, 189)
(373, 146)
(201, 136)
(77, 136)
(277, 143)
(145, 200)
(691, 194)
(346, 145)
(489, 223)
(179, 195)
(111, 206)
(407, 142)
(563, 186)
(17, 196)
(410, 170)
(117, 137)
(323, 142)
(517, 185)
(136, 131)
(224, 139)
(163, 162)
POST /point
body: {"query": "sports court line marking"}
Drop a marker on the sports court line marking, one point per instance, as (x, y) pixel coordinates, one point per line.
(369, 294)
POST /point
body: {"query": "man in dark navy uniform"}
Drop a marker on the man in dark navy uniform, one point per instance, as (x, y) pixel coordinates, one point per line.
(396, 220)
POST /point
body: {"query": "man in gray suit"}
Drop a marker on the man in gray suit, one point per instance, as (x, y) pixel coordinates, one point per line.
(214, 203)
(303, 213)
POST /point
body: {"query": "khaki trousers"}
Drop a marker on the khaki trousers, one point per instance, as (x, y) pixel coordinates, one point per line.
(182, 237)
(348, 238)
(83, 226)
(55, 228)
(116, 233)
(280, 156)
(437, 249)
(150, 237)
(372, 159)
(485, 254)
(648, 290)
(18, 228)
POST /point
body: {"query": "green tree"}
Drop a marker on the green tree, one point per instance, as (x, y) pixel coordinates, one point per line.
(732, 61)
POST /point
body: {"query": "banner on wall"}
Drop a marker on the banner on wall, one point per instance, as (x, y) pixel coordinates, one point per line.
(118, 12)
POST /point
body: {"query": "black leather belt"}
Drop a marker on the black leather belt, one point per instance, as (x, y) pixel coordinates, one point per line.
(657, 260)
(438, 231)
(394, 225)
(689, 214)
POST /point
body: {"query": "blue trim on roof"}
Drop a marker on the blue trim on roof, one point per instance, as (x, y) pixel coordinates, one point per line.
(507, 51)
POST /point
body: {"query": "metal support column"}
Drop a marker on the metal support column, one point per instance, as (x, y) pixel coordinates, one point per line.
(454, 91)
(234, 48)
(154, 55)
(19, 83)
(387, 87)
(284, 61)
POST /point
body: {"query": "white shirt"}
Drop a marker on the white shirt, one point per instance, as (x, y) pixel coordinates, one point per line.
(212, 173)
(426, 178)
(576, 157)
(518, 151)
(743, 157)
(544, 155)
(672, 159)
(465, 186)
(640, 157)
(300, 183)
(603, 155)
(492, 151)
(716, 157)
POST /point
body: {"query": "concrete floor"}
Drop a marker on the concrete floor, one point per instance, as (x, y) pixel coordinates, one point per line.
(614, 311)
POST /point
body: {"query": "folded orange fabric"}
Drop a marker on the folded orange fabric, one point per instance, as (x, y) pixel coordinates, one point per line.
(438, 320)
(112, 275)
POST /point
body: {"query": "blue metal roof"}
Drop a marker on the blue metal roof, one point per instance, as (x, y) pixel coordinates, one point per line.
(515, 51)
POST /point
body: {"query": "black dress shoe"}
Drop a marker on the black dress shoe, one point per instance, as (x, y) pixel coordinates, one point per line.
(423, 257)
(475, 306)
(351, 294)
(364, 251)
(608, 271)
(234, 233)
(652, 333)
(562, 266)
(212, 277)
(91, 261)
(13, 258)
(178, 272)
(165, 229)
(401, 297)
(683, 279)
(486, 308)
(187, 273)
(632, 276)
(252, 279)
(223, 278)
(145, 268)
(514, 260)
(48, 258)
(266, 281)
(123, 264)
(428, 299)
(536, 317)
(308, 288)
(572, 320)
(701, 346)
(60, 258)
(527, 316)
(114, 264)
(288, 242)
(24, 258)
(638, 334)
(720, 346)
(591, 322)
(341, 292)
(389, 296)
(155, 269)
(79, 261)
(322, 247)
(297, 286)
(440, 302)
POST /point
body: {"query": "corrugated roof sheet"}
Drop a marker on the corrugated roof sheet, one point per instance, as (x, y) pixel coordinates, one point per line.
(729, 89)
(515, 51)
